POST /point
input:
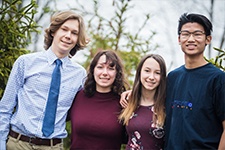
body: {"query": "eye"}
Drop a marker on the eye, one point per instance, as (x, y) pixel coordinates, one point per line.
(197, 34)
(64, 29)
(185, 34)
(99, 67)
(75, 33)
(111, 68)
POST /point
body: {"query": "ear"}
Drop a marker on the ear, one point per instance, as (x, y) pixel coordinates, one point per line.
(179, 40)
(208, 39)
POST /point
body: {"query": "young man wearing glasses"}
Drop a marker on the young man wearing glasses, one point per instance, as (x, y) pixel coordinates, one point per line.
(195, 97)
(195, 100)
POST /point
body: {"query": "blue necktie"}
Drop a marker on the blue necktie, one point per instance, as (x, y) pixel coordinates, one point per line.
(50, 110)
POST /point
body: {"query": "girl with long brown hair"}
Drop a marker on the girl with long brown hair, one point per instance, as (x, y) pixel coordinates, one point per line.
(145, 114)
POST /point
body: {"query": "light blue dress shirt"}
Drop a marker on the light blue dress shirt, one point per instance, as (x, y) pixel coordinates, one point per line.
(27, 90)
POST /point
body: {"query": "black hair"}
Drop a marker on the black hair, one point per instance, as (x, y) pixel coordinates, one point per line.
(200, 19)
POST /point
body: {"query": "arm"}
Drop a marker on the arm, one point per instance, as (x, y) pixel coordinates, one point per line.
(222, 139)
(9, 101)
(124, 98)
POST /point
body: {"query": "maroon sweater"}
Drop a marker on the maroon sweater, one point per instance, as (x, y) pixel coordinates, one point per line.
(94, 122)
(142, 134)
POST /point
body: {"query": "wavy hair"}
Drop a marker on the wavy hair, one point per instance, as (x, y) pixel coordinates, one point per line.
(159, 97)
(113, 60)
(57, 21)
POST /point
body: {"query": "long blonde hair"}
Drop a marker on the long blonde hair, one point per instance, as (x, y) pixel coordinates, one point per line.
(159, 97)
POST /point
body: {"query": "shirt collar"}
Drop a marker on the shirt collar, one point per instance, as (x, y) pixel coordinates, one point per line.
(52, 57)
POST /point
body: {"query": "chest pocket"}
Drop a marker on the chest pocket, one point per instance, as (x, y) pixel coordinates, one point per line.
(67, 95)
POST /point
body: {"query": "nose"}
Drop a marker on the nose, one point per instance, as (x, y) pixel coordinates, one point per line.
(191, 37)
(105, 71)
(68, 34)
(151, 76)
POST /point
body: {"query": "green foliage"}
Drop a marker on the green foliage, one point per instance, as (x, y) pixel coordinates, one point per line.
(112, 33)
(66, 141)
(219, 60)
(16, 25)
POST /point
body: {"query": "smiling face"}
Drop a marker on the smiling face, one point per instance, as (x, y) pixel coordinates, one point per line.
(150, 74)
(104, 75)
(65, 38)
(193, 46)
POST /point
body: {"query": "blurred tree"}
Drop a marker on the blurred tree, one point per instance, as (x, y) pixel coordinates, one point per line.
(112, 33)
(18, 22)
(219, 61)
(16, 25)
(211, 10)
(44, 9)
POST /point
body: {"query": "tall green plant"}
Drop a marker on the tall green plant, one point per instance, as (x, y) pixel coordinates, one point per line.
(16, 25)
(112, 33)
(219, 61)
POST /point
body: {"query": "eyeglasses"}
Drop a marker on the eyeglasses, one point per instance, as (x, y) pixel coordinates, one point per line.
(196, 34)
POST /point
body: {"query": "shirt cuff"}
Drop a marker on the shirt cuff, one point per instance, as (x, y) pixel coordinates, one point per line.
(2, 145)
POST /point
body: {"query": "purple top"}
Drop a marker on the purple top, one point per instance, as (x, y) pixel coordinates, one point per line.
(142, 133)
(94, 122)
